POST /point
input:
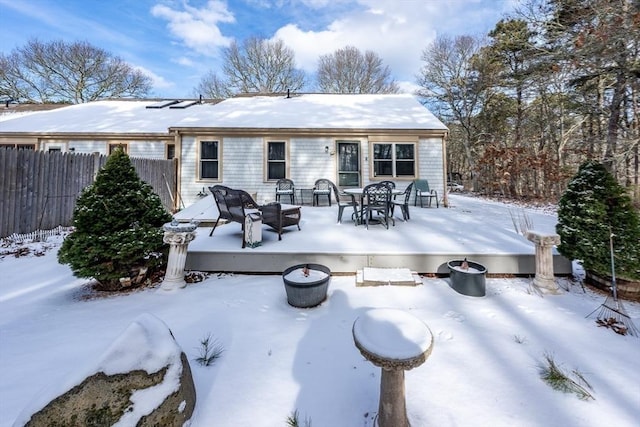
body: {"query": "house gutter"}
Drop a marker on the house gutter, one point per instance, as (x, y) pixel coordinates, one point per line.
(177, 140)
(445, 197)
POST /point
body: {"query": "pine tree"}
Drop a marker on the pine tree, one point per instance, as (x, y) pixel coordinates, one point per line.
(594, 206)
(118, 227)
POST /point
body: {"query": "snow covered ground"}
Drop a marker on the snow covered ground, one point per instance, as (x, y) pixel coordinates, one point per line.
(483, 371)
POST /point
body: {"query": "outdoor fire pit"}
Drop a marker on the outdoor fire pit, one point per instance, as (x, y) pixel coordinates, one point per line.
(467, 277)
(306, 284)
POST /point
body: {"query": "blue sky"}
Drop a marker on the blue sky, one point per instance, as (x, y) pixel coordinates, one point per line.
(176, 42)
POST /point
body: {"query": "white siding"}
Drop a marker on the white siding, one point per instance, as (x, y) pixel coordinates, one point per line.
(89, 146)
(310, 161)
(364, 163)
(147, 149)
(189, 187)
(431, 163)
(243, 165)
(62, 145)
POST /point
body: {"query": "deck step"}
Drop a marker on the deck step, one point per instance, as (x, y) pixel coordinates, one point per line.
(373, 276)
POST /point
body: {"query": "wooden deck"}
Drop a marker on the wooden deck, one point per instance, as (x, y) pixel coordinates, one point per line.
(423, 244)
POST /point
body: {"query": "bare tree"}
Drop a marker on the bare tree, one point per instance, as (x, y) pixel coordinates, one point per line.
(601, 40)
(256, 65)
(348, 70)
(75, 72)
(212, 86)
(457, 79)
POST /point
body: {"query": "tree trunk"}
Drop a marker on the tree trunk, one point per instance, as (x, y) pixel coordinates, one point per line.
(614, 119)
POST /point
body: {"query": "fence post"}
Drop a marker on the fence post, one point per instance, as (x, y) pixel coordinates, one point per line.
(96, 164)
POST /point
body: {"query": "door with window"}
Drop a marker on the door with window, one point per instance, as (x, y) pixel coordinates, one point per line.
(348, 163)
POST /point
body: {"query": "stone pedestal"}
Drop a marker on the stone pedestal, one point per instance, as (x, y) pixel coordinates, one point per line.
(544, 259)
(395, 341)
(178, 236)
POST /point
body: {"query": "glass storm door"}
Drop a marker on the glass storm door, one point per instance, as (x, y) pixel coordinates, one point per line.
(348, 163)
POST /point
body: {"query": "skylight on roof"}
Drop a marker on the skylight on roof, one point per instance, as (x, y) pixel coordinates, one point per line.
(184, 104)
(162, 104)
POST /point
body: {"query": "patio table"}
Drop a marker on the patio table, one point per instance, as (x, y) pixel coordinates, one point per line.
(358, 192)
(305, 192)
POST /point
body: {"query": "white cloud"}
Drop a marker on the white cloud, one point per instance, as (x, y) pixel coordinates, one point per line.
(197, 28)
(398, 31)
(408, 86)
(183, 60)
(158, 82)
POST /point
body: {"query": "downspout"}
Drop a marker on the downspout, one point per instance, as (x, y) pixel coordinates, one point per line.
(177, 141)
(445, 197)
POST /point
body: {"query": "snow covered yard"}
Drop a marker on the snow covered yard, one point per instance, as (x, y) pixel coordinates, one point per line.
(484, 369)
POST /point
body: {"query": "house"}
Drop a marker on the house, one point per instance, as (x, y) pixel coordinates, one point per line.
(250, 142)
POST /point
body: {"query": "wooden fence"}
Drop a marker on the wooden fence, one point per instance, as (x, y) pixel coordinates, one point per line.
(38, 190)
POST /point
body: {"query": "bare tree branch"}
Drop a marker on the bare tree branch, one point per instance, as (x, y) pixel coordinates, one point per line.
(76, 72)
(349, 71)
(256, 65)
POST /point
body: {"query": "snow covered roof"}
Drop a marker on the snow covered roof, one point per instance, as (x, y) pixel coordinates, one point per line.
(309, 111)
(98, 117)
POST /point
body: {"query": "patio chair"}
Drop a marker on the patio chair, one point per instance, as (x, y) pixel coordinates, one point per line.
(376, 198)
(233, 206)
(390, 184)
(345, 200)
(321, 188)
(403, 203)
(285, 187)
(423, 191)
(220, 193)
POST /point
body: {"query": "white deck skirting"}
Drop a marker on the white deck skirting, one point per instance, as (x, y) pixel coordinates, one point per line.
(471, 228)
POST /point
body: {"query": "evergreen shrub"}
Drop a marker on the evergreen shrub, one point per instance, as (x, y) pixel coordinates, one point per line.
(117, 228)
(594, 206)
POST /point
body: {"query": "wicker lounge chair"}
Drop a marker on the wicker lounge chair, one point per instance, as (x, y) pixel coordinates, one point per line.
(233, 206)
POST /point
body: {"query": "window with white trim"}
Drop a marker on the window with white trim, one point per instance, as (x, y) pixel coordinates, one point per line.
(114, 146)
(19, 146)
(209, 160)
(395, 160)
(276, 160)
(171, 151)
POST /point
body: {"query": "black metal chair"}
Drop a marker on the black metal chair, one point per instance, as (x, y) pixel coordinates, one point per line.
(403, 203)
(321, 188)
(424, 192)
(345, 200)
(390, 184)
(285, 187)
(376, 198)
(392, 187)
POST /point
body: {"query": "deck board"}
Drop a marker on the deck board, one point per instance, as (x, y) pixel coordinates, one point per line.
(424, 244)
